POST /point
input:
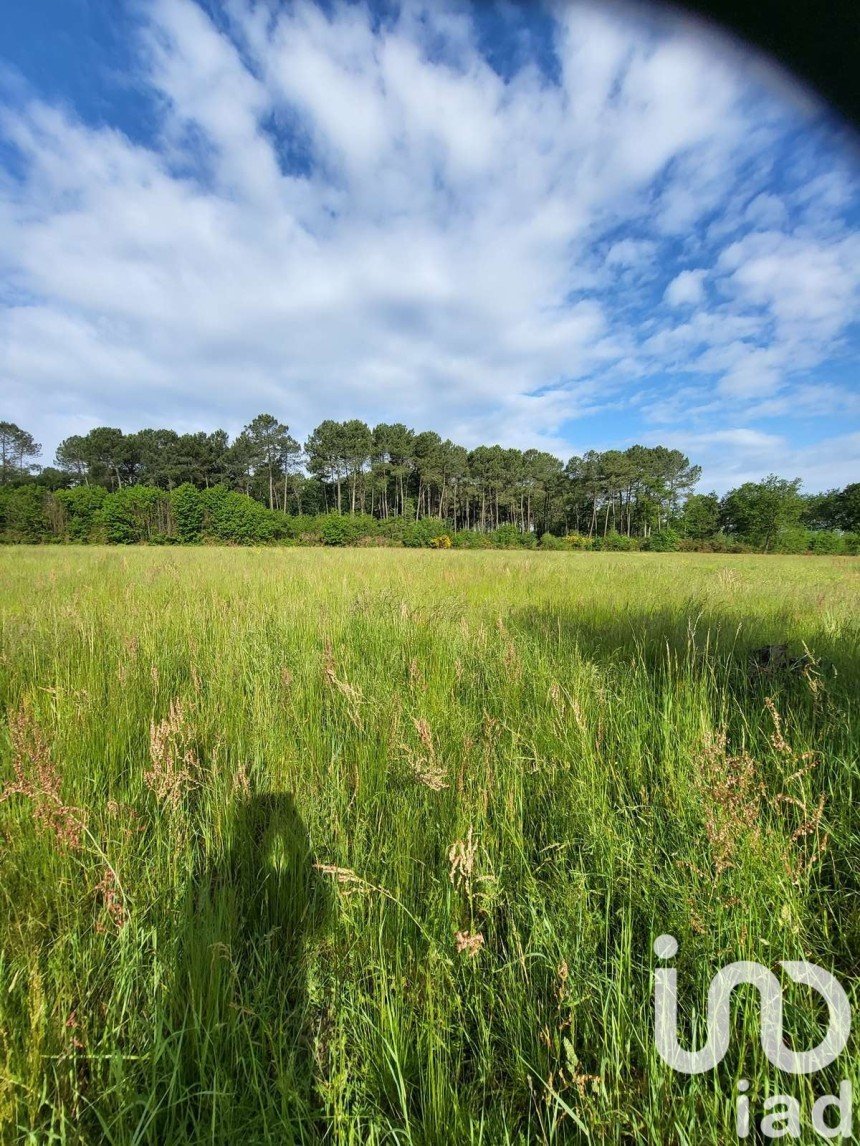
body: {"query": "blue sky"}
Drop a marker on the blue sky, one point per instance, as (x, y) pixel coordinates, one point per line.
(568, 226)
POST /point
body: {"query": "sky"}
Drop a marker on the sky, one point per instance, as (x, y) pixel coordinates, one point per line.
(567, 226)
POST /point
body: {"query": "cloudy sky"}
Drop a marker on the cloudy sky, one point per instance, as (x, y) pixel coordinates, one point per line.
(566, 226)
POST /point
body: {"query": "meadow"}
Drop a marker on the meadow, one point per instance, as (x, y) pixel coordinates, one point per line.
(366, 846)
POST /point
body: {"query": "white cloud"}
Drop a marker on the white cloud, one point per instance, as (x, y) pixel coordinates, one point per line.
(686, 289)
(733, 456)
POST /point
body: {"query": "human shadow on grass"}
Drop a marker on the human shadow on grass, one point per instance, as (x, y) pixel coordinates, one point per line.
(238, 1017)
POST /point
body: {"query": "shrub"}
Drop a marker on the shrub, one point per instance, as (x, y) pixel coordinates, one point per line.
(616, 542)
(719, 543)
(340, 529)
(419, 534)
(188, 512)
(550, 541)
(791, 539)
(578, 541)
(135, 513)
(443, 541)
(508, 537)
(826, 541)
(471, 539)
(664, 541)
(230, 516)
(23, 514)
(78, 518)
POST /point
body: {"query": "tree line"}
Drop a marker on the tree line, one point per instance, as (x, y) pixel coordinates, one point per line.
(390, 476)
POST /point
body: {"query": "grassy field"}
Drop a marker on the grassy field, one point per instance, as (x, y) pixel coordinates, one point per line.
(372, 846)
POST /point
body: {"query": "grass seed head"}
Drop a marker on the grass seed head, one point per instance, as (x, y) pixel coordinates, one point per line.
(38, 780)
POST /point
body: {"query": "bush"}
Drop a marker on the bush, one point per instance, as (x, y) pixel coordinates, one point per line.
(719, 543)
(826, 541)
(791, 539)
(471, 539)
(188, 512)
(340, 529)
(419, 534)
(234, 517)
(135, 513)
(509, 536)
(550, 541)
(616, 543)
(664, 541)
(78, 518)
(443, 541)
(23, 514)
(578, 541)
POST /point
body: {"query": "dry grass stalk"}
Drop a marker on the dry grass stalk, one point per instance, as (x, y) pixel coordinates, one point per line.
(350, 882)
(416, 676)
(426, 766)
(512, 662)
(733, 793)
(173, 762)
(351, 693)
(461, 856)
(111, 896)
(736, 797)
(38, 780)
(241, 785)
(469, 943)
(564, 703)
(780, 744)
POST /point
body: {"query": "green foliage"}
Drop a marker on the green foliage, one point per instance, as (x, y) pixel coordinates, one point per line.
(791, 539)
(471, 539)
(663, 541)
(616, 543)
(550, 541)
(236, 518)
(419, 534)
(508, 536)
(345, 529)
(578, 541)
(189, 512)
(24, 514)
(80, 512)
(700, 517)
(766, 514)
(16, 446)
(826, 541)
(134, 514)
(719, 543)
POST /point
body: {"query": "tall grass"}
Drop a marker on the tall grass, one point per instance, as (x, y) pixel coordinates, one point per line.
(369, 847)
